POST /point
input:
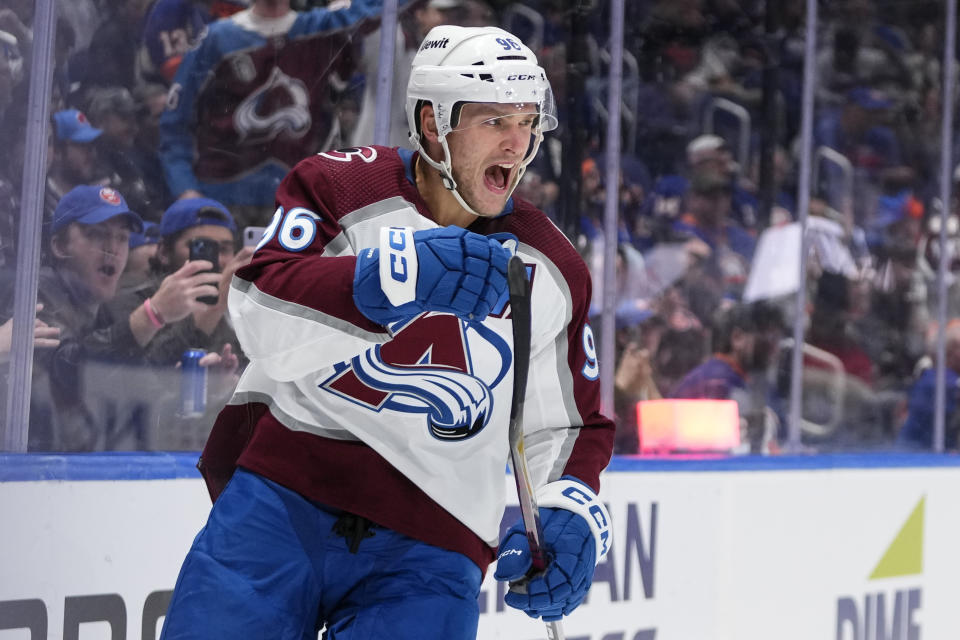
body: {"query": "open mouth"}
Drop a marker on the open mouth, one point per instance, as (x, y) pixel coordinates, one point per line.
(497, 176)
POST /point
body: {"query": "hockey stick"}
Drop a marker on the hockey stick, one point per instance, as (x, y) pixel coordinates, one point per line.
(520, 317)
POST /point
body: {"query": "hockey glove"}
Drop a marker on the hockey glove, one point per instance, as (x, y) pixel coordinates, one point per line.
(449, 269)
(576, 536)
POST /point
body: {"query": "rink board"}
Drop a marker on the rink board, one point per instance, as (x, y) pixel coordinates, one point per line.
(845, 548)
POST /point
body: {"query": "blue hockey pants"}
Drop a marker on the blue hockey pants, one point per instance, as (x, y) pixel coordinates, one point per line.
(269, 565)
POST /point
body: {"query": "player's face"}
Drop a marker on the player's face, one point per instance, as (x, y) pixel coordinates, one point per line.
(486, 148)
(96, 254)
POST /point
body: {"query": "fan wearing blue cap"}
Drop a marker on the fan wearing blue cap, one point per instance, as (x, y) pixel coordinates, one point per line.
(90, 240)
(74, 158)
(189, 219)
(174, 293)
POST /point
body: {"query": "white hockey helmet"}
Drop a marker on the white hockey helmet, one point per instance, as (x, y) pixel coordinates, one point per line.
(455, 65)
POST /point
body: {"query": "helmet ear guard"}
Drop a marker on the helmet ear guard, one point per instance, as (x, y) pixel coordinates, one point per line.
(456, 65)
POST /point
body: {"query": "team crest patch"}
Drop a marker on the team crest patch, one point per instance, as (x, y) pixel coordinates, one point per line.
(433, 373)
(82, 118)
(367, 154)
(110, 196)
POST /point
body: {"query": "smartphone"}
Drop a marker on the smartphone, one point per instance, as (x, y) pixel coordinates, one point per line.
(206, 249)
(252, 236)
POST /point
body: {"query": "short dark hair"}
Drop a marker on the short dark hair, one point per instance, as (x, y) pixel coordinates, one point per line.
(166, 244)
(752, 317)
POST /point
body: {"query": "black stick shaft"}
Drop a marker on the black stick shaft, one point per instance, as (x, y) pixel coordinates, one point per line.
(520, 317)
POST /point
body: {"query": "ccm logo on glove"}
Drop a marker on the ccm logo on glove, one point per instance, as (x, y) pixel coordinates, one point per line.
(577, 497)
(447, 269)
(576, 536)
(398, 273)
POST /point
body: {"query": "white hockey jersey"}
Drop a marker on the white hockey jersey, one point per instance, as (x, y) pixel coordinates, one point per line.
(406, 425)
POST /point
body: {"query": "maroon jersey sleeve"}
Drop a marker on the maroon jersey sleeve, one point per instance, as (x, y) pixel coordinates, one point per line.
(293, 304)
(301, 262)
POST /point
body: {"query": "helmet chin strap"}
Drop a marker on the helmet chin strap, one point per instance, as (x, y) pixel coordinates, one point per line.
(445, 167)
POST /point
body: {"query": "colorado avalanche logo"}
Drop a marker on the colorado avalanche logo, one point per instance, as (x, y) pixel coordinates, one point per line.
(280, 107)
(431, 372)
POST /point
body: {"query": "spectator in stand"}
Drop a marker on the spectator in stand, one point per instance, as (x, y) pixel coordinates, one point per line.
(670, 43)
(897, 222)
(843, 323)
(722, 273)
(857, 130)
(74, 160)
(152, 100)
(638, 337)
(539, 191)
(173, 27)
(707, 216)
(250, 102)
(91, 229)
(746, 340)
(893, 332)
(710, 154)
(679, 351)
(634, 182)
(90, 233)
(206, 326)
(860, 50)
(917, 430)
(114, 111)
(659, 211)
(143, 250)
(844, 64)
(171, 305)
(110, 59)
(708, 158)
(837, 301)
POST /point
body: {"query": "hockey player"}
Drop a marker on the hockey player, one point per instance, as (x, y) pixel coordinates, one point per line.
(358, 472)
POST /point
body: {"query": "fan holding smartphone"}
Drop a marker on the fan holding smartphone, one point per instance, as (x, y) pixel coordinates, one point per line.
(202, 248)
(195, 260)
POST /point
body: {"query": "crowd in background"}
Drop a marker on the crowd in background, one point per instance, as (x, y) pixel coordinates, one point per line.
(174, 120)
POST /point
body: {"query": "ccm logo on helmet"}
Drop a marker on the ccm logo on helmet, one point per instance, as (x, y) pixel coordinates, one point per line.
(435, 44)
(521, 76)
